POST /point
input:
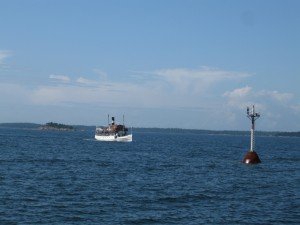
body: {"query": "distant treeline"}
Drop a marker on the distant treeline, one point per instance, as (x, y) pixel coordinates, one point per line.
(20, 125)
(221, 132)
(287, 134)
(156, 130)
(57, 126)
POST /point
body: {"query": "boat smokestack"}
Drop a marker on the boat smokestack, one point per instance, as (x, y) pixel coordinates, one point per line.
(112, 120)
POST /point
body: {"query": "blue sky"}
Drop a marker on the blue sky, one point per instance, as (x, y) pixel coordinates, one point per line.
(189, 64)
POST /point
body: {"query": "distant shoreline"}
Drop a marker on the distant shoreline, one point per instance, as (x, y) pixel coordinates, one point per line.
(62, 127)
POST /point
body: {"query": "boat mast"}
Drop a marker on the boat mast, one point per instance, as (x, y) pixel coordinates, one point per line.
(107, 119)
(123, 125)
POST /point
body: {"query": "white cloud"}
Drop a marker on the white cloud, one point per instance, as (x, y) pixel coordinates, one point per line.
(178, 88)
(164, 88)
(61, 78)
(246, 95)
(197, 80)
(60, 95)
(13, 93)
(107, 93)
(207, 73)
(241, 98)
(272, 104)
(82, 80)
(102, 74)
(4, 54)
(296, 108)
(238, 93)
(280, 97)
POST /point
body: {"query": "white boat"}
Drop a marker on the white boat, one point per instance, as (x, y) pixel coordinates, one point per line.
(113, 132)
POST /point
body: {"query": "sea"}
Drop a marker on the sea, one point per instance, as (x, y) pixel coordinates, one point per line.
(162, 177)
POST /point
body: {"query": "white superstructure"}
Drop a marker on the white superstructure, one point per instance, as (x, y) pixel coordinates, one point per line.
(113, 132)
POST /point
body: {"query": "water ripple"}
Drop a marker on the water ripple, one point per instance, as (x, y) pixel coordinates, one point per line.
(160, 178)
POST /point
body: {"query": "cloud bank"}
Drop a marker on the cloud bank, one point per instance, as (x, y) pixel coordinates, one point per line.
(200, 92)
(241, 97)
(162, 88)
(275, 106)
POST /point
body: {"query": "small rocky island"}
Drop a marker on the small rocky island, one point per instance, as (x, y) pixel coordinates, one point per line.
(56, 126)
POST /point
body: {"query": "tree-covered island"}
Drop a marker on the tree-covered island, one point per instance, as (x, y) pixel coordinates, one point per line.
(56, 126)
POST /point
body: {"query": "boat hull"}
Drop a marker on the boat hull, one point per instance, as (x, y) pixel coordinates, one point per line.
(126, 138)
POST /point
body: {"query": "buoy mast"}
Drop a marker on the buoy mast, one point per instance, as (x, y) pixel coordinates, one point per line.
(251, 156)
(252, 116)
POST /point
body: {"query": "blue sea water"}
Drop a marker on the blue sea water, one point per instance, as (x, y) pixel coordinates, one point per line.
(51, 177)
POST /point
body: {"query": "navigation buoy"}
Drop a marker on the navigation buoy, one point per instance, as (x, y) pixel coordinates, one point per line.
(252, 157)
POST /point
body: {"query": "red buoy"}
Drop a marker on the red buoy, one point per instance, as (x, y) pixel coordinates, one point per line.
(251, 158)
